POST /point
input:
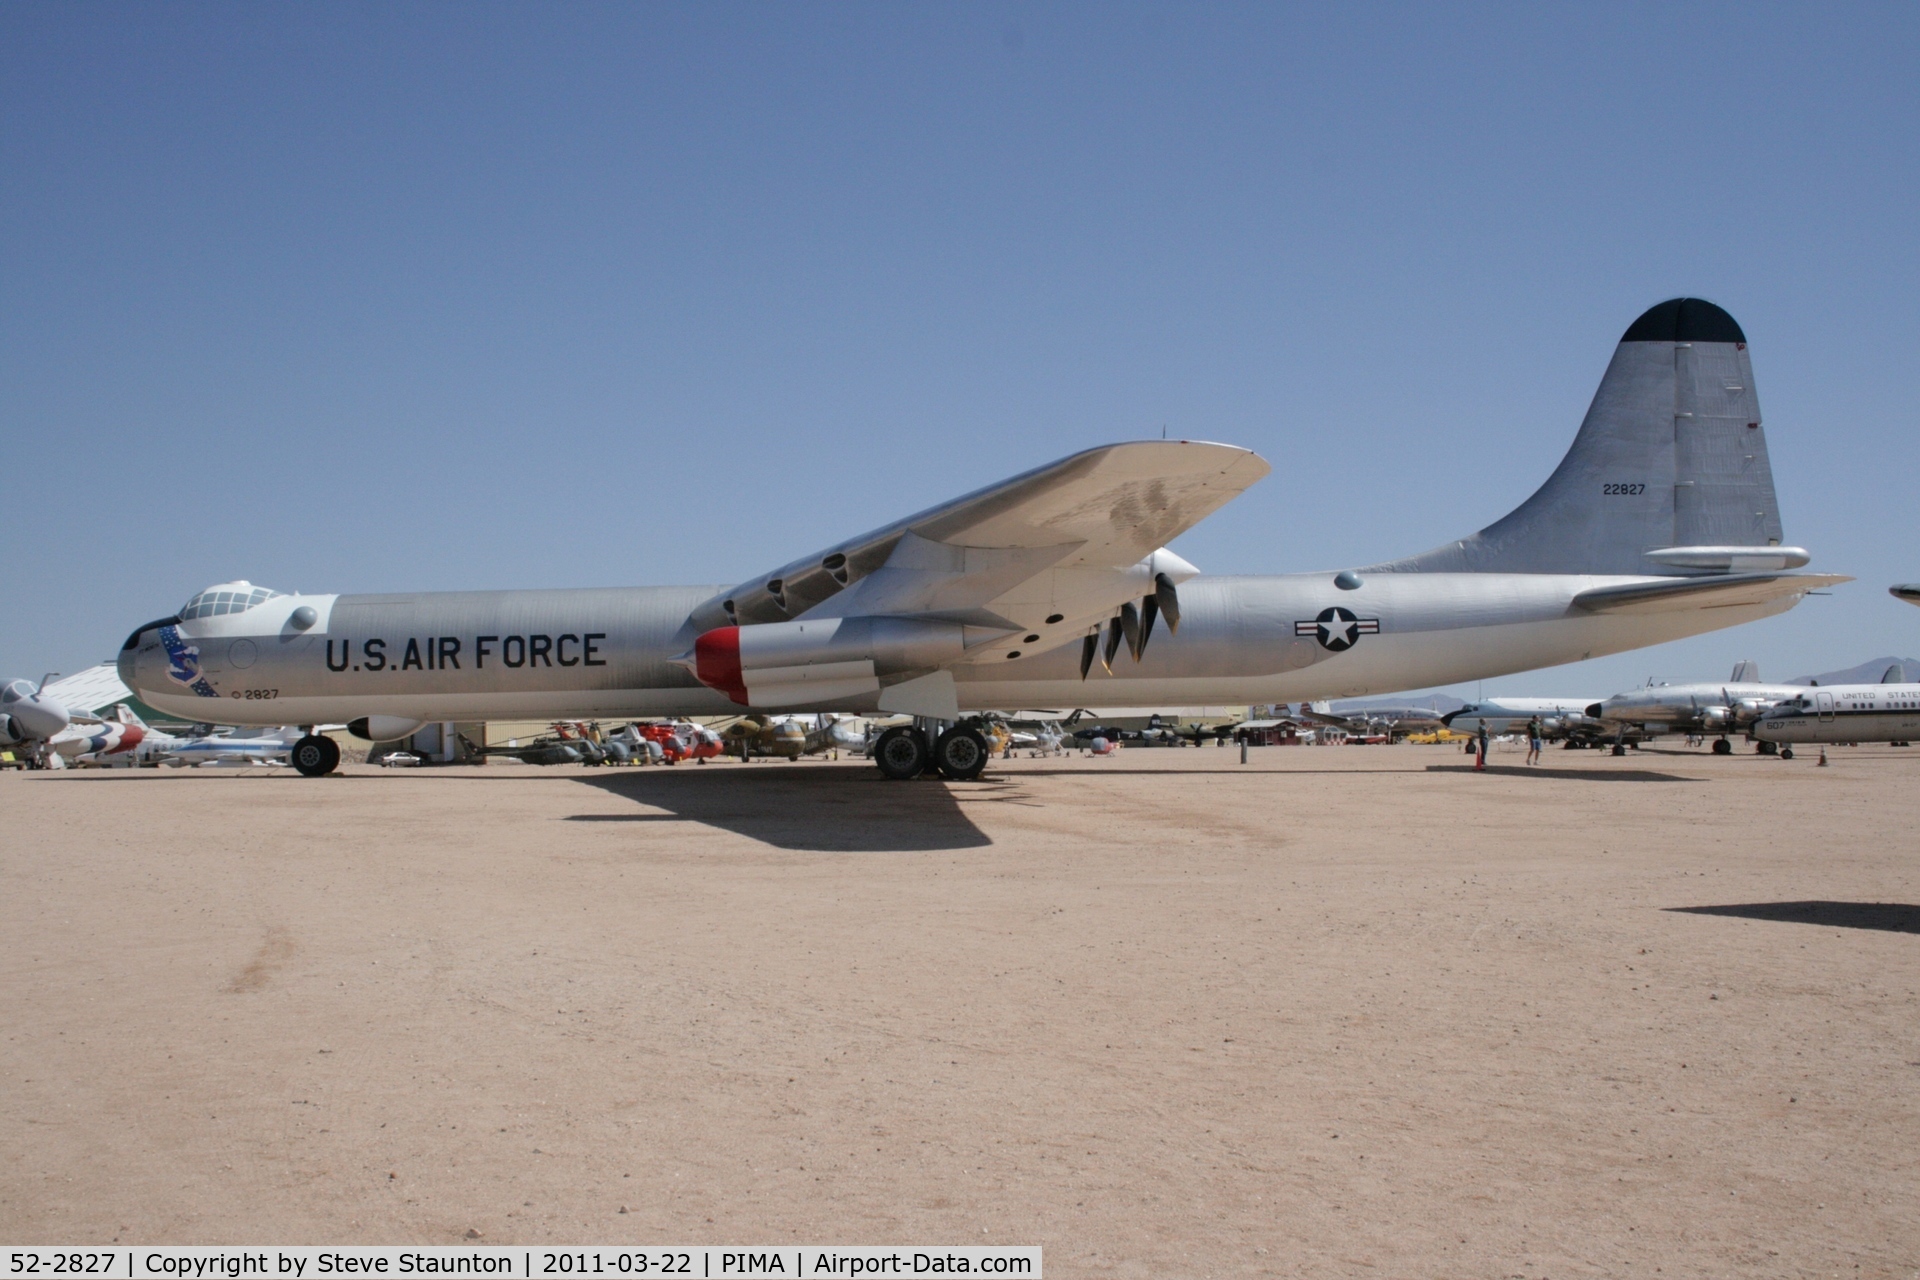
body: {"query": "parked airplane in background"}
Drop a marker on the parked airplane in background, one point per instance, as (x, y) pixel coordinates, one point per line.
(1390, 720)
(29, 719)
(1660, 522)
(1843, 713)
(126, 741)
(1559, 718)
(567, 743)
(790, 737)
(585, 742)
(1709, 709)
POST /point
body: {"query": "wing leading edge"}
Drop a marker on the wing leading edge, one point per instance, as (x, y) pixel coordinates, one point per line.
(1103, 509)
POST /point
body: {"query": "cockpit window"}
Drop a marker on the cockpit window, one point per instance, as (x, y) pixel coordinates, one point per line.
(228, 597)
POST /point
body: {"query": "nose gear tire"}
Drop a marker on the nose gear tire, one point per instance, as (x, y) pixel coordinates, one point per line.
(901, 752)
(961, 753)
(315, 756)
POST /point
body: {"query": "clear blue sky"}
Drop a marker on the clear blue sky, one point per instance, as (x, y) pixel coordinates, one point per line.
(386, 297)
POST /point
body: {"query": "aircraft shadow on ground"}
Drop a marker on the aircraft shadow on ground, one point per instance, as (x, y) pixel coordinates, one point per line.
(814, 808)
(1891, 917)
(1094, 769)
(1579, 775)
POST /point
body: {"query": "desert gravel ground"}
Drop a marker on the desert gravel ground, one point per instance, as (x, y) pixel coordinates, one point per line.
(1339, 1011)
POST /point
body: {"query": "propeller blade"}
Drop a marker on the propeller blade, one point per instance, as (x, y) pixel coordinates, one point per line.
(1149, 610)
(1113, 645)
(1168, 597)
(1130, 624)
(1089, 648)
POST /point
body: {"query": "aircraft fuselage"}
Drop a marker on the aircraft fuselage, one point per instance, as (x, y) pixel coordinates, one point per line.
(609, 653)
(1845, 713)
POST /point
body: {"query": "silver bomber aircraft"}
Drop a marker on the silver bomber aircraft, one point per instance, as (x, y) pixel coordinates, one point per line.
(1660, 522)
(1706, 709)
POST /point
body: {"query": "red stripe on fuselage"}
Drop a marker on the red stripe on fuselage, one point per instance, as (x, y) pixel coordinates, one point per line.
(716, 662)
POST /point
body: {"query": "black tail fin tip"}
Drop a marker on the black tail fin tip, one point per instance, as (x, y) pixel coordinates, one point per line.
(1684, 320)
(1671, 454)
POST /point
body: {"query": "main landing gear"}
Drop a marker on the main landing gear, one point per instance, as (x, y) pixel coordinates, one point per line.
(1721, 747)
(959, 754)
(315, 756)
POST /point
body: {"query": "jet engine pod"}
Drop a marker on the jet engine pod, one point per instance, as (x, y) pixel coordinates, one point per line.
(384, 728)
(10, 733)
(805, 663)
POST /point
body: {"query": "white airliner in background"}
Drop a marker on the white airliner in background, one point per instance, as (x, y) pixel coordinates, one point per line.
(1843, 713)
(1661, 522)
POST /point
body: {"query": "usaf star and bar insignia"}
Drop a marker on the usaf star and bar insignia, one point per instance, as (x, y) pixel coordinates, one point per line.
(1337, 629)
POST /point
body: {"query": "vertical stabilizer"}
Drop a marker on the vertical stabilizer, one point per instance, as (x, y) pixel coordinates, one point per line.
(1671, 454)
(1746, 671)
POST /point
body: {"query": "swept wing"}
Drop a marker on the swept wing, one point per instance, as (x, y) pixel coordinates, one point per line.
(1103, 509)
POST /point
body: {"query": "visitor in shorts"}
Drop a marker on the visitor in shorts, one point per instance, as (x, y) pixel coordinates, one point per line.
(1533, 740)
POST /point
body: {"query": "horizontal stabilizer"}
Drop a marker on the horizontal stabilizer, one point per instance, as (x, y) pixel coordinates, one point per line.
(1731, 559)
(1674, 594)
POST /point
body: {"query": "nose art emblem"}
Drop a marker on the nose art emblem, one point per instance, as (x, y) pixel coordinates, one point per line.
(183, 663)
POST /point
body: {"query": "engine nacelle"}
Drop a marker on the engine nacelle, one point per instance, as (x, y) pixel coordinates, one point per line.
(1715, 717)
(811, 662)
(384, 728)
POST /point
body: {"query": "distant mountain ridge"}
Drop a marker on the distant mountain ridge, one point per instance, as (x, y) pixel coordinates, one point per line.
(1868, 672)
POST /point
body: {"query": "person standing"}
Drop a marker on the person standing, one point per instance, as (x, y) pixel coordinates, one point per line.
(1480, 740)
(1533, 740)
